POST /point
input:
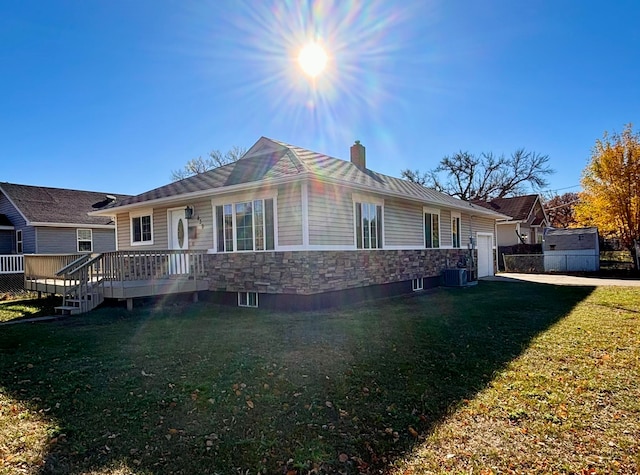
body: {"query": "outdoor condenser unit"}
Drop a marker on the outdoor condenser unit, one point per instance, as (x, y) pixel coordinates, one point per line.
(455, 277)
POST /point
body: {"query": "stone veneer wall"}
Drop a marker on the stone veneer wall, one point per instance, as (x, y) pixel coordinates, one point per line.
(312, 272)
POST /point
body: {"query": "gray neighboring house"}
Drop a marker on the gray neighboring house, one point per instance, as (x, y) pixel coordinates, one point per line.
(42, 220)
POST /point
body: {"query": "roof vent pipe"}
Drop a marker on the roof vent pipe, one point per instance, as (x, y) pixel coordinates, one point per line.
(358, 155)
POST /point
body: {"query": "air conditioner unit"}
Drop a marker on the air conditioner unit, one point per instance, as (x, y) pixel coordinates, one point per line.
(455, 277)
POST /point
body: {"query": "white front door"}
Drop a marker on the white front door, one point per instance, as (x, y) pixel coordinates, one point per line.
(485, 255)
(178, 241)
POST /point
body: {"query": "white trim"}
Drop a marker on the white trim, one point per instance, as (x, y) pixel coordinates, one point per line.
(83, 240)
(140, 214)
(248, 300)
(304, 192)
(454, 215)
(21, 241)
(71, 225)
(7, 228)
(427, 210)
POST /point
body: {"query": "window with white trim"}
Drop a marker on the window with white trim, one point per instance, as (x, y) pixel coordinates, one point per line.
(142, 229)
(247, 299)
(456, 229)
(368, 225)
(431, 229)
(245, 226)
(417, 284)
(85, 240)
(19, 242)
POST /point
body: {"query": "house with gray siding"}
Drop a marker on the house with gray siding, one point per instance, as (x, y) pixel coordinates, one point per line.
(286, 227)
(42, 220)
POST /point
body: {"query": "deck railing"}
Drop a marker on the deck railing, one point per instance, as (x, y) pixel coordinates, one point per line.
(11, 264)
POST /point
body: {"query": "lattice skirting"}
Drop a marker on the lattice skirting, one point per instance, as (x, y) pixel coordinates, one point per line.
(11, 283)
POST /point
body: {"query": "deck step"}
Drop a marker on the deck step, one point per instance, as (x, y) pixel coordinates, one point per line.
(67, 310)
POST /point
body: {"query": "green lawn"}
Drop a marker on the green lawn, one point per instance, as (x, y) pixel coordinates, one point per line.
(499, 377)
(29, 307)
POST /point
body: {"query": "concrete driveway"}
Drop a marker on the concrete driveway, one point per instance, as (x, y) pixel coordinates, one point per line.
(563, 280)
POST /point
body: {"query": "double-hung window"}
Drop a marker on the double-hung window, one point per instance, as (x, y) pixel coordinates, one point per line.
(141, 229)
(19, 241)
(455, 230)
(431, 229)
(245, 226)
(368, 225)
(85, 240)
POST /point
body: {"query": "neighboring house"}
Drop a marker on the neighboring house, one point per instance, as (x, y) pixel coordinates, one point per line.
(285, 227)
(41, 220)
(527, 221)
(571, 250)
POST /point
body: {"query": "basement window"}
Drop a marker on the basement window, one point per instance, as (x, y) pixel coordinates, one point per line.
(248, 299)
(417, 284)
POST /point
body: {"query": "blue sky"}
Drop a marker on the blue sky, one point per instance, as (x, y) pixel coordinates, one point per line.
(114, 95)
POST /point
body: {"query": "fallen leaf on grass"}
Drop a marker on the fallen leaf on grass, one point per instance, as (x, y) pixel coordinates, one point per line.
(413, 432)
(250, 403)
(343, 457)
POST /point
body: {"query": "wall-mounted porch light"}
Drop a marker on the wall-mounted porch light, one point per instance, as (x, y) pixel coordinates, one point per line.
(188, 212)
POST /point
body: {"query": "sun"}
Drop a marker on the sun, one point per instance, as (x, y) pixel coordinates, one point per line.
(312, 59)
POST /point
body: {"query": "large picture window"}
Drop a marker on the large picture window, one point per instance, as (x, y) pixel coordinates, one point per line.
(141, 229)
(431, 229)
(455, 230)
(368, 226)
(245, 226)
(85, 240)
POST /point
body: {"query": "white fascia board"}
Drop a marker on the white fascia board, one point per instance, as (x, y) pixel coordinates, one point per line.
(7, 228)
(73, 225)
(212, 192)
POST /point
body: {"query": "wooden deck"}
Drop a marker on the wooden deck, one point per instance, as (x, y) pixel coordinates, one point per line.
(87, 280)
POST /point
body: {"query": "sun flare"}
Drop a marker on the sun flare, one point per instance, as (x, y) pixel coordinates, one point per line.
(312, 59)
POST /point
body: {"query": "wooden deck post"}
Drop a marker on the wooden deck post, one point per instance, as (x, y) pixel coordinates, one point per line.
(194, 297)
(129, 304)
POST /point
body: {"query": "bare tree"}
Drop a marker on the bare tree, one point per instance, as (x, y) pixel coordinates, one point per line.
(484, 177)
(216, 159)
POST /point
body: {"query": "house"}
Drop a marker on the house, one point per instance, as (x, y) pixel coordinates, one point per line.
(41, 220)
(571, 250)
(526, 223)
(286, 227)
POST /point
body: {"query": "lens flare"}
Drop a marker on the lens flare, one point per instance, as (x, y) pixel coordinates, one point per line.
(312, 59)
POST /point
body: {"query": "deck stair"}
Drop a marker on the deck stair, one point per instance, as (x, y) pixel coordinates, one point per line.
(83, 285)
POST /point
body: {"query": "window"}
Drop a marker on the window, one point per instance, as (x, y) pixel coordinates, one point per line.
(85, 240)
(247, 299)
(417, 284)
(19, 248)
(368, 226)
(431, 229)
(245, 226)
(455, 230)
(141, 227)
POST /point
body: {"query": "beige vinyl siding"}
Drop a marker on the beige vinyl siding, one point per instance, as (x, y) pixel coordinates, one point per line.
(445, 228)
(159, 231)
(483, 225)
(289, 216)
(202, 225)
(330, 215)
(403, 224)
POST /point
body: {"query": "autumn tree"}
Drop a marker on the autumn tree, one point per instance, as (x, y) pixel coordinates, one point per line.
(611, 184)
(560, 210)
(216, 159)
(485, 176)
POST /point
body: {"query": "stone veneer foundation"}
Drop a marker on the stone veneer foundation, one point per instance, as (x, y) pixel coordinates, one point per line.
(312, 279)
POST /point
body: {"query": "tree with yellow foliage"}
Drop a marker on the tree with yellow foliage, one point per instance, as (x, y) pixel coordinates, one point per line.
(611, 184)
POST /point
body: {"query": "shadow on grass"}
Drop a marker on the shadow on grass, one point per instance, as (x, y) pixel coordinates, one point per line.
(206, 389)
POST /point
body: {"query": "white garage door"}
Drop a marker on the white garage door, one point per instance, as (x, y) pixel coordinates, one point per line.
(485, 255)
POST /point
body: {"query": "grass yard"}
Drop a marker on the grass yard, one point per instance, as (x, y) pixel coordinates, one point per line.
(15, 309)
(499, 378)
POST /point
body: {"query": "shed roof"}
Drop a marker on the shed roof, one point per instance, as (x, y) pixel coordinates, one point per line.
(270, 160)
(50, 206)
